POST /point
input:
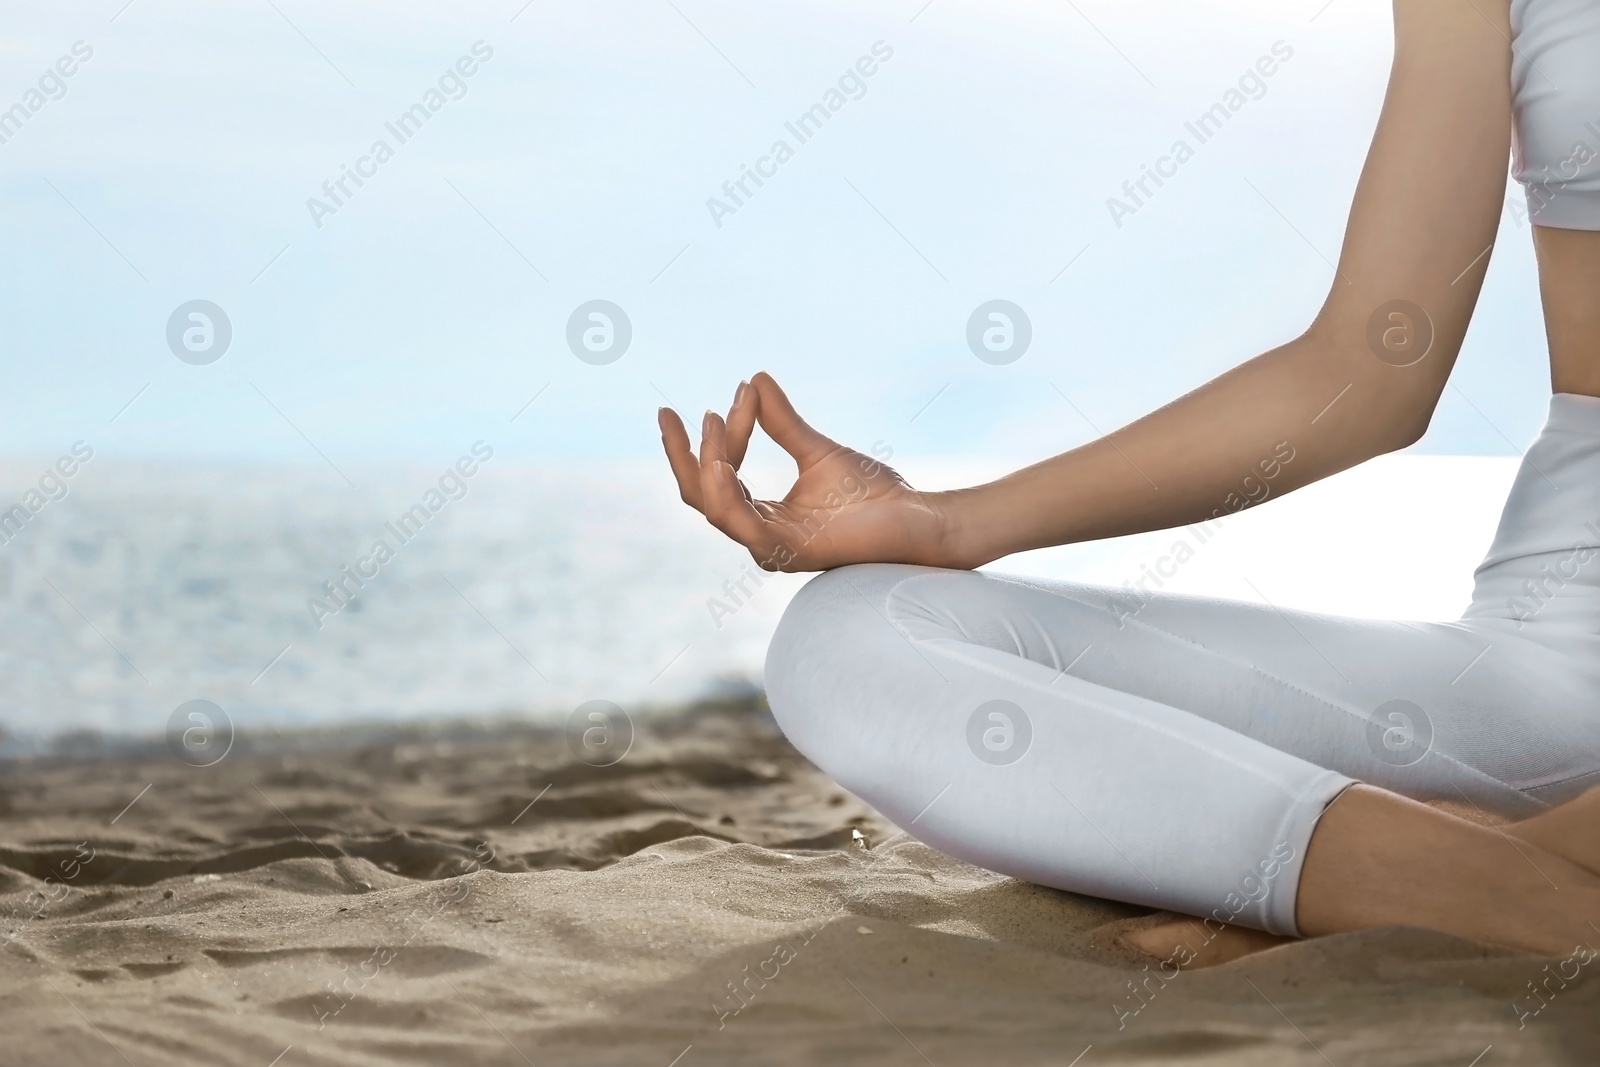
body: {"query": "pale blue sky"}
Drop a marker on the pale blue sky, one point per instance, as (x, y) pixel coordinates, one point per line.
(976, 166)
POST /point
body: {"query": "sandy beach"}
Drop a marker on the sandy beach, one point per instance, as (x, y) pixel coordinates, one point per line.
(478, 895)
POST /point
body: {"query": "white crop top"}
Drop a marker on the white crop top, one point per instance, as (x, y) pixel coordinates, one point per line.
(1555, 94)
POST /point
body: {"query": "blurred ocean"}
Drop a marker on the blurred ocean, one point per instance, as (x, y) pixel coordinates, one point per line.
(150, 585)
(531, 591)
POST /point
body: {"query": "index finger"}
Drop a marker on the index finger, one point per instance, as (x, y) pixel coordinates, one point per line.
(741, 422)
(785, 426)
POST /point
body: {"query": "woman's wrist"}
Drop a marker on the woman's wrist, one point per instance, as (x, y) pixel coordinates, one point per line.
(964, 540)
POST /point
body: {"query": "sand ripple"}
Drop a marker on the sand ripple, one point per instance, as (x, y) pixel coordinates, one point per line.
(492, 900)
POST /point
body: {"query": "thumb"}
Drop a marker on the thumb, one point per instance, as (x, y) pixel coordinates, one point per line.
(785, 426)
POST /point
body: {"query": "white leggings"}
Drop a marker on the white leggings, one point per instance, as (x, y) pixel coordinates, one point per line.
(1177, 751)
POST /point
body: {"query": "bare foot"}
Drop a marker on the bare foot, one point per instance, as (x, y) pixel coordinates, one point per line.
(1188, 943)
(1571, 831)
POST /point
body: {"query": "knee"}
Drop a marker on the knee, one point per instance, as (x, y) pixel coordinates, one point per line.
(825, 645)
(814, 631)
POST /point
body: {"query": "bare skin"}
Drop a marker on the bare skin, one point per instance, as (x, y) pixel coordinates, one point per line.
(1421, 230)
(1532, 885)
(1569, 283)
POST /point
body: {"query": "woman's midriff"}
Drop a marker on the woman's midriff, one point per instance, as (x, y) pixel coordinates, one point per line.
(1569, 285)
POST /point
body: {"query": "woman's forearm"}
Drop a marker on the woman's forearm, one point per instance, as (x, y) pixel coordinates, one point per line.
(1280, 421)
(1363, 380)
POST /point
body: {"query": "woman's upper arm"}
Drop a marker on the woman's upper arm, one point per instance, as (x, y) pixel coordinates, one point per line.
(1425, 213)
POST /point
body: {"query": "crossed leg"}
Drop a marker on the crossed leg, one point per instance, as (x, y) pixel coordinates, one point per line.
(1192, 755)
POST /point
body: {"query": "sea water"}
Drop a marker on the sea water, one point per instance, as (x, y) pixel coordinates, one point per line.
(513, 591)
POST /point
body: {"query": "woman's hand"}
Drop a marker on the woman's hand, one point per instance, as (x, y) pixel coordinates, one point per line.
(844, 507)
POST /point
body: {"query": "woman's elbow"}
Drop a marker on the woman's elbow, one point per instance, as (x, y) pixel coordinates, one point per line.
(1399, 429)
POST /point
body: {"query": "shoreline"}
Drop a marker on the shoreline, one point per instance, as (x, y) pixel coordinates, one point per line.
(84, 746)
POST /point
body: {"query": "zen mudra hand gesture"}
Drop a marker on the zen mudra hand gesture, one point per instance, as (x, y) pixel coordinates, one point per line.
(844, 507)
